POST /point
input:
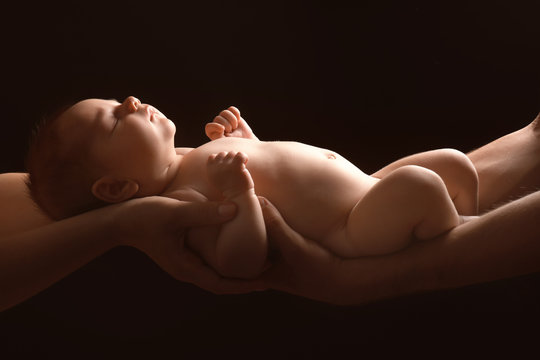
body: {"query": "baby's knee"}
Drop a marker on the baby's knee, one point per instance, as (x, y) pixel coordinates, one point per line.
(415, 177)
(430, 204)
(460, 163)
(419, 183)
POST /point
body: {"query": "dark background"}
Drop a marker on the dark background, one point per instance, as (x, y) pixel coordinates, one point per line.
(372, 80)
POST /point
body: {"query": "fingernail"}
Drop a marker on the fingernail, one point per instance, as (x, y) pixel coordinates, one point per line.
(227, 210)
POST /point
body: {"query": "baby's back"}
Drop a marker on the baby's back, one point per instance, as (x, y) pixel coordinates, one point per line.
(313, 188)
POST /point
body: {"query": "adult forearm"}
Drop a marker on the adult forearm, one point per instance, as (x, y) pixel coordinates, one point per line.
(508, 167)
(501, 244)
(33, 260)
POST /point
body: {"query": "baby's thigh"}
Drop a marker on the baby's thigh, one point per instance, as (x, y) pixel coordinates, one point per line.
(411, 202)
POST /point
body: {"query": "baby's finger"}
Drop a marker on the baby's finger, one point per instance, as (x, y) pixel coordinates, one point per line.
(235, 111)
(230, 117)
(214, 131)
(224, 122)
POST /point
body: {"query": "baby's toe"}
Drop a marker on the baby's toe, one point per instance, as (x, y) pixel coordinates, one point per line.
(240, 158)
(221, 156)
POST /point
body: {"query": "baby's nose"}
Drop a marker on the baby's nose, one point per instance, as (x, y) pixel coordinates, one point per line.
(130, 105)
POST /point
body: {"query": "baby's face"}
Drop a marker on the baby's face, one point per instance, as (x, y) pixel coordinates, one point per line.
(127, 139)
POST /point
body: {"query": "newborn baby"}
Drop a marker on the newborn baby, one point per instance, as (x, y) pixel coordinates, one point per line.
(99, 152)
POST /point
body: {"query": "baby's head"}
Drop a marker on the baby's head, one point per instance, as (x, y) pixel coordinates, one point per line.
(99, 152)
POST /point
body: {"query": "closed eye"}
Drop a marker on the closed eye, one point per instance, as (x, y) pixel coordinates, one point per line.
(116, 120)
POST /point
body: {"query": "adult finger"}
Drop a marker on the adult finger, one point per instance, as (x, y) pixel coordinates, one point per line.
(304, 266)
(289, 243)
(206, 278)
(188, 214)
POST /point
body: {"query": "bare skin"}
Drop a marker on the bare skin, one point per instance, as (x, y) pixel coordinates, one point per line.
(304, 267)
(36, 252)
(344, 209)
(320, 194)
(484, 249)
(508, 167)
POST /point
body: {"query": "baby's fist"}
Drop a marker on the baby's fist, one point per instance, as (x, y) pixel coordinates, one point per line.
(229, 123)
(224, 124)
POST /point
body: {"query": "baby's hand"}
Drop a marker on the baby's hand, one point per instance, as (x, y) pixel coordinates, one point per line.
(227, 171)
(229, 123)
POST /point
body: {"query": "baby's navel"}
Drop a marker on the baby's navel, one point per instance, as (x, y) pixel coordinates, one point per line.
(331, 156)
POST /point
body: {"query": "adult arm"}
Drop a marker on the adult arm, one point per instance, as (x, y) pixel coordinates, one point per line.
(508, 167)
(501, 244)
(17, 211)
(36, 255)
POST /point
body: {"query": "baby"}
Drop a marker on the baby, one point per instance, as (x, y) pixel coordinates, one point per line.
(99, 152)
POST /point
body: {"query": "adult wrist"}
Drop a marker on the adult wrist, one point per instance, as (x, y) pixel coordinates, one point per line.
(115, 227)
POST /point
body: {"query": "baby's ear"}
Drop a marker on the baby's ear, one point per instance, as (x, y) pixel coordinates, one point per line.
(113, 190)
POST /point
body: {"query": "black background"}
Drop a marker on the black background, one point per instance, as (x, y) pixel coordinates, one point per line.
(372, 80)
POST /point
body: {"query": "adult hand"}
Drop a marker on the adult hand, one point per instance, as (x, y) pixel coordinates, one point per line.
(302, 267)
(481, 250)
(157, 226)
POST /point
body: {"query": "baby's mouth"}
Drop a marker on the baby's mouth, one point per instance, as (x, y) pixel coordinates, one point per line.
(156, 114)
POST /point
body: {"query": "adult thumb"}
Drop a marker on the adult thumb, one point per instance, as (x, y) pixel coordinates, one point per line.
(205, 213)
(290, 244)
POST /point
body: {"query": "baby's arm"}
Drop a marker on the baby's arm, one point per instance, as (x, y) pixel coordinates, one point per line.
(241, 245)
(456, 170)
(229, 123)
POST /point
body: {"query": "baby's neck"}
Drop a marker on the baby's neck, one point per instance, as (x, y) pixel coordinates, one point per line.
(173, 171)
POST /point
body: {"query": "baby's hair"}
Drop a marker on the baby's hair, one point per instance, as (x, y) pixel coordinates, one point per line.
(59, 178)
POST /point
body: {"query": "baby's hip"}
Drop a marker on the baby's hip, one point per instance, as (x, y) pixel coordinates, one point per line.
(320, 214)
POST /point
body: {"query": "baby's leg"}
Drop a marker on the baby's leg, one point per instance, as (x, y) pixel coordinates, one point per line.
(456, 170)
(409, 203)
(241, 246)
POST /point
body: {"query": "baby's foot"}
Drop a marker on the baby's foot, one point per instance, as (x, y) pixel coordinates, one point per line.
(227, 171)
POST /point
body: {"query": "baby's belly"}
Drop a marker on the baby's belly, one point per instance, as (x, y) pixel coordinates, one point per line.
(314, 189)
